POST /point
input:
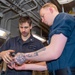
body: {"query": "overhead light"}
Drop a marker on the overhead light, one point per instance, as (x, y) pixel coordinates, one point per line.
(4, 33)
(42, 39)
(64, 1)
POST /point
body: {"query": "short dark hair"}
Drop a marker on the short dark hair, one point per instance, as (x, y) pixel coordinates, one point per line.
(24, 19)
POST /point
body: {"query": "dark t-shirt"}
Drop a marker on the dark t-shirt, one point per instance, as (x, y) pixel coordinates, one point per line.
(17, 44)
(65, 24)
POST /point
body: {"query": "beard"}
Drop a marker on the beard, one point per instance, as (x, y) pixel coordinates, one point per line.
(24, 34)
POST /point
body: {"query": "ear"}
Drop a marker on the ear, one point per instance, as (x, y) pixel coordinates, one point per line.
(31, 27)
(51, 9)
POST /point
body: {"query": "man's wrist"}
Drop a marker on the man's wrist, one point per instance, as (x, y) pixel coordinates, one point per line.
(20, 59)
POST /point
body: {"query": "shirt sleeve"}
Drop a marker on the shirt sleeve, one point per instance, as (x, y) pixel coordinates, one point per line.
(65, 27)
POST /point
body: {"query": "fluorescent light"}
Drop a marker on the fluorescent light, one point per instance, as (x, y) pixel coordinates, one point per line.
(64, 1)
(42, 39)
(4, 33)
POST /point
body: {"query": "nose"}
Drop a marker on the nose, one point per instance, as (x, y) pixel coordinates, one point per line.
(42, 20)
(23, 29)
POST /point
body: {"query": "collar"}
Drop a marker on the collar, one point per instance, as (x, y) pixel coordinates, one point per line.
(30, 39)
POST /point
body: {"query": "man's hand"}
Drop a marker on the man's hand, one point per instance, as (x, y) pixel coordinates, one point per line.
(17, 67)
(5, 55)
(19, 58)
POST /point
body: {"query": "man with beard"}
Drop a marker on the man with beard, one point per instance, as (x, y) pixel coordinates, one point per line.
(23, 43)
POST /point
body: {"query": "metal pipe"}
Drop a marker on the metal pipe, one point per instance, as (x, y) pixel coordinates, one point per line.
(34, 14)
(3, 7)
(24, 11)
(62, 8)
(39, 3)
(44, 1)
(25, 2)
(6, 10)
(20, 2)
(23, 8)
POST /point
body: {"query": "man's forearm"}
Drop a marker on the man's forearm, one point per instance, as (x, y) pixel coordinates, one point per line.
(36, 54)
(20, 58)
(35, 67)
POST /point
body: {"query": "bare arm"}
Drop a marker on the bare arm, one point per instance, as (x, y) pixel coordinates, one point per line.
(40, 66)
(50, 52)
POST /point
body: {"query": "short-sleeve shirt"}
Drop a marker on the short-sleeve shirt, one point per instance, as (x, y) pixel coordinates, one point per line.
(65, 24)
(17, 44)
